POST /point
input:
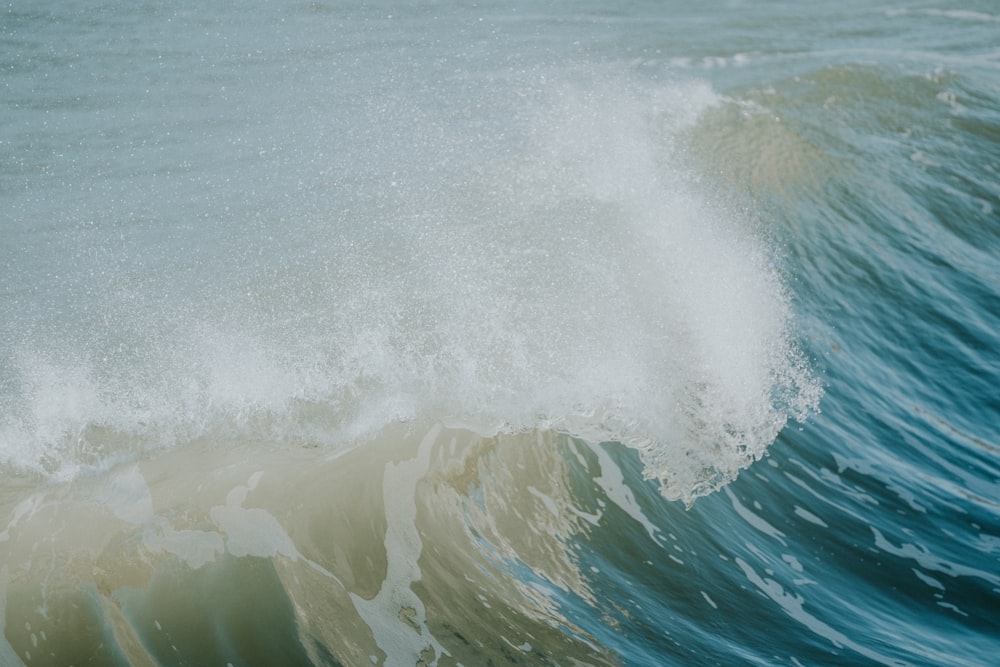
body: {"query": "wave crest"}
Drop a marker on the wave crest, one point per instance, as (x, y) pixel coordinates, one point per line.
(563, 271)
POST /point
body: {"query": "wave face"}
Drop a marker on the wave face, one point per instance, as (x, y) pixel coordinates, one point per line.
(449, 335)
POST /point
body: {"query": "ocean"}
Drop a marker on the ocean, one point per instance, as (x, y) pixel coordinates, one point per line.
(499, 333)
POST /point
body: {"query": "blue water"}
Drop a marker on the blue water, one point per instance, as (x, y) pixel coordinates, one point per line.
(644, 334)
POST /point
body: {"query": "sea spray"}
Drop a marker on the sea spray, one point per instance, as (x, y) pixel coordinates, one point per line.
(573, 275)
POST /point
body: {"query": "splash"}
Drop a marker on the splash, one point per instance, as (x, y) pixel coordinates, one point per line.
(555, 264)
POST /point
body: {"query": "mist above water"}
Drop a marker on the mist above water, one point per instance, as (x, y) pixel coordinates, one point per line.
(553, 263)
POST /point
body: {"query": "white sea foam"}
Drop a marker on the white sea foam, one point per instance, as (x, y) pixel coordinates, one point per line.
(564, 270)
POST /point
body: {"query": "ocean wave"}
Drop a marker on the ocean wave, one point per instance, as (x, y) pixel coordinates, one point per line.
(578, 280)
(342, 556)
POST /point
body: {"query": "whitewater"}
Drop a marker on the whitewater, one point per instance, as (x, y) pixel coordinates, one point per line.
(463, 335)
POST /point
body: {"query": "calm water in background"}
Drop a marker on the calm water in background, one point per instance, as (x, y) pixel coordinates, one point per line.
(641, 334)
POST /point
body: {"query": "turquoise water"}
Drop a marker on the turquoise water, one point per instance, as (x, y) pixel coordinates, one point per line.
(643, 334)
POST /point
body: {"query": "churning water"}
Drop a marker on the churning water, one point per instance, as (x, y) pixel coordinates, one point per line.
(493, 333)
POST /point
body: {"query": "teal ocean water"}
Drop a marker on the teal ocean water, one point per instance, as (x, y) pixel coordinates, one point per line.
(573, 333)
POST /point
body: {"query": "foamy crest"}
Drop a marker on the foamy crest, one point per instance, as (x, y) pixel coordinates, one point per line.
(560, 268)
